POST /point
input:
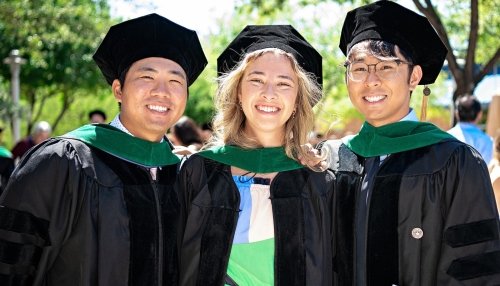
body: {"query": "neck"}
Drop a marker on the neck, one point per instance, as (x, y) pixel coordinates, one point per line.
(267, 139)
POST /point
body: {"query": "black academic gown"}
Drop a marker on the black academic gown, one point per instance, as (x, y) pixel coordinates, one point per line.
(6, 168)
(74, 215)
(301, 201)
(431, 219)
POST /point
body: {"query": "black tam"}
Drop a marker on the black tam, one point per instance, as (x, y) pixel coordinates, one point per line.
(283, 37)
(149, 36)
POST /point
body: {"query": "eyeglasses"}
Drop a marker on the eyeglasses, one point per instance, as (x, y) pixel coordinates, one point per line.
(359, 71)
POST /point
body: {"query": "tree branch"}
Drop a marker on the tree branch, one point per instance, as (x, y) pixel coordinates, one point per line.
(487, 67)
(471, 49)
(435, 21)
(67, 101)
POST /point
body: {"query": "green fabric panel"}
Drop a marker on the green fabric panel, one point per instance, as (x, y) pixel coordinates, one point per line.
(252, 264)
(395, 137)
(260, 160)
(120, 144)
(4, 152)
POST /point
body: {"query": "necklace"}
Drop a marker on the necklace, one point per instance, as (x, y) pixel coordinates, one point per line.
(257, 180)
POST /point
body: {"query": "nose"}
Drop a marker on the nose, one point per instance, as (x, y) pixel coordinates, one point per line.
(268, 92)
(161, 88)
(371, 78)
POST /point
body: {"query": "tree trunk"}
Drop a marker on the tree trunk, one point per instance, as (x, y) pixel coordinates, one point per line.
(67, 101)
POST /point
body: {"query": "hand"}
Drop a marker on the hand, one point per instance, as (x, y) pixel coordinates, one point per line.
(314, 161)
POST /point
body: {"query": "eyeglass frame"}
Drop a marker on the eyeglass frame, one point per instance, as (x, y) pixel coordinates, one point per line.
(397, 61)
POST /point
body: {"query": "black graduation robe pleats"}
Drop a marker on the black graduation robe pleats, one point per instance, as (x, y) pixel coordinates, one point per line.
(87, 218)
(431, 218)
(301, 202)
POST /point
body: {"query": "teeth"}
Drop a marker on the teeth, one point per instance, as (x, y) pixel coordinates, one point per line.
(157, 108)
(374, 98)
(267, 108)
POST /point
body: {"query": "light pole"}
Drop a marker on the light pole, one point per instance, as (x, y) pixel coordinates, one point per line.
(15, 61)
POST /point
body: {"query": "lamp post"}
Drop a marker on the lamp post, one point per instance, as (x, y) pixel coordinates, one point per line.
(15, 61)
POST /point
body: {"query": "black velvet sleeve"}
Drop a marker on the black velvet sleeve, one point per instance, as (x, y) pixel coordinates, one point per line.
(36, 212)
(472, 246)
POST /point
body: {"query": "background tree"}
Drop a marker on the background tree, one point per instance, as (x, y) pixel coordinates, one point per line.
(469, 30)
(465, 34)
(60, 83)
(320, 22)
(58, 39)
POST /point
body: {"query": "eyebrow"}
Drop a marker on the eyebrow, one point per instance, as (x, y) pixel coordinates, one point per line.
(262, 73)
(172, 71)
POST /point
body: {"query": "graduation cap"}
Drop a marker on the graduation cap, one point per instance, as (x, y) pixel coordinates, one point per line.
(149, 36)
(283, 37)
(391, 22)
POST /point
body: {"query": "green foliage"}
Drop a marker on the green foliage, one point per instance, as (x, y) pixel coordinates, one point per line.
(60, 82)
(7, 108)
(320, 23)
(489, 29)
(336, 107)
(57, 38)
(200, 104)
(455, 15)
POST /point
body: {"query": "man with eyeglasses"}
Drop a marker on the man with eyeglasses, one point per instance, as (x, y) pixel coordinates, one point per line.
(413, 205)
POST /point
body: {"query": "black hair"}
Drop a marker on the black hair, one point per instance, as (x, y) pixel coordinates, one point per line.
(207, 126)
(187, 131)
(97, 111)
(383, 49)
(468, 108)
(123, 75)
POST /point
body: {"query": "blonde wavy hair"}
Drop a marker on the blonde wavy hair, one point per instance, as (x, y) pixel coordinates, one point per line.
(229, 121)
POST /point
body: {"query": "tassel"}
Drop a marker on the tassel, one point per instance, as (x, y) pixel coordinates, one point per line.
(425, 99)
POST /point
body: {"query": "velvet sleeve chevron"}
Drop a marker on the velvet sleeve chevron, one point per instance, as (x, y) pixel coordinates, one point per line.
(22, 238)
(37, 210)
(471, 250)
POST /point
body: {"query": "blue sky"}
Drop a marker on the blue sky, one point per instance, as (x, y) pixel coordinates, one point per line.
(198, 15)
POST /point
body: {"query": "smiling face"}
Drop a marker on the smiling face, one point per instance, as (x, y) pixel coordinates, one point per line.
(153, 97)
(267, 94)
(383, 101)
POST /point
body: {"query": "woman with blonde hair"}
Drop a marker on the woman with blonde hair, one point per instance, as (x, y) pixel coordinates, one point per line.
(252, 214)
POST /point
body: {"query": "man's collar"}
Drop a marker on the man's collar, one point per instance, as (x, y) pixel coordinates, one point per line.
(117, 123)
(411, 116)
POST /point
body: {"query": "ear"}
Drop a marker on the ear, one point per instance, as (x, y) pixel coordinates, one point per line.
(415, 77)
(116, 86)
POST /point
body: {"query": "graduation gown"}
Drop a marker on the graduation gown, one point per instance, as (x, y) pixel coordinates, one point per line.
(6, 167)
(301, 202)
(85, 217)
(430, 220)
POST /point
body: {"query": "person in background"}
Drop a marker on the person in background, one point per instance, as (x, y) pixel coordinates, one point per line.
(97, 116)
(186, 133)
(494, 169)
(40, 132)
(468, 114)
(413, 206)
(206, 132)
(98, 206)
(6, 164)
(252, 214)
